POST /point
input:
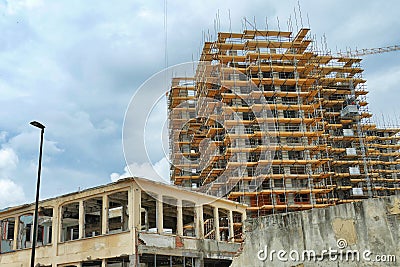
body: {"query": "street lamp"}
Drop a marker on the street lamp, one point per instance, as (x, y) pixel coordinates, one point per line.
(35, 222)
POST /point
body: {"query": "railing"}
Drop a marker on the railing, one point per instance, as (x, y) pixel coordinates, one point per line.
(209, 229)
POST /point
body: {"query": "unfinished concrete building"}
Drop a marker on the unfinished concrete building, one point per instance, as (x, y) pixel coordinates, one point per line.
(270, 121)
(132, 222)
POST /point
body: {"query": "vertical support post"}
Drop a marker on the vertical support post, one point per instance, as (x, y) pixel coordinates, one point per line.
(104, 217)
(231, 230)
(16, 227)
(216, 224)
(244, 216)
(55, 229)
(125, 216)
(200, 222)
(61, 236)
(134, 205)
(81, 219)
(159, 214)
(133, 260)
(179, 219)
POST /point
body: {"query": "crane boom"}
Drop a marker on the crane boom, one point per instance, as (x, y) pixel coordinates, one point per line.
(370, 51)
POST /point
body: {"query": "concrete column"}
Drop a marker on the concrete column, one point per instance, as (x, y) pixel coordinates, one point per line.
(81, 219)
(55, 230)
(199, 262)
(199, 222)
(125, 217)
(104, 217)
(179, 219)
(244, 217)
(133, 260)
(231, 231)
(16, 228)
(61, 233)
(103, 263)
(159, 215)
(134, 205)
(216, 224)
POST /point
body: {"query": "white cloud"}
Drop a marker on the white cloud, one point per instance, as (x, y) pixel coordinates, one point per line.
(3, 136)
(8, 160)
(116, 176)
(156, 172)
(29, 142)
(10, 193)
(15, 6)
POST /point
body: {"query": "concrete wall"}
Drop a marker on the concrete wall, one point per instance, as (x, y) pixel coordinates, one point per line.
(370, 228)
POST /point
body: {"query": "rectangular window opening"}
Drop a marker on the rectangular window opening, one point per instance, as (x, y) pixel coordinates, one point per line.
(118, 215)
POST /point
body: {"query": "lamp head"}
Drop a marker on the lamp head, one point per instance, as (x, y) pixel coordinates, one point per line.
(37, 124)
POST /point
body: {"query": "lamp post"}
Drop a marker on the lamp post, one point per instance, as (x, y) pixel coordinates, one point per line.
(35, 222)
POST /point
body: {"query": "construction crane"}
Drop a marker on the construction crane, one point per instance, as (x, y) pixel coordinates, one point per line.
(369, 51)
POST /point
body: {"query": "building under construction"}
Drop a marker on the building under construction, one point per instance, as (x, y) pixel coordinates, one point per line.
(270, 121)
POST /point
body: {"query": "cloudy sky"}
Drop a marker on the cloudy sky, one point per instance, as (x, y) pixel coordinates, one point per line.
(74, 66)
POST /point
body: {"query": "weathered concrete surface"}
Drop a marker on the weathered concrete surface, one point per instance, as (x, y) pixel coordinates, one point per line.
(152, 243)
(371, 225)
